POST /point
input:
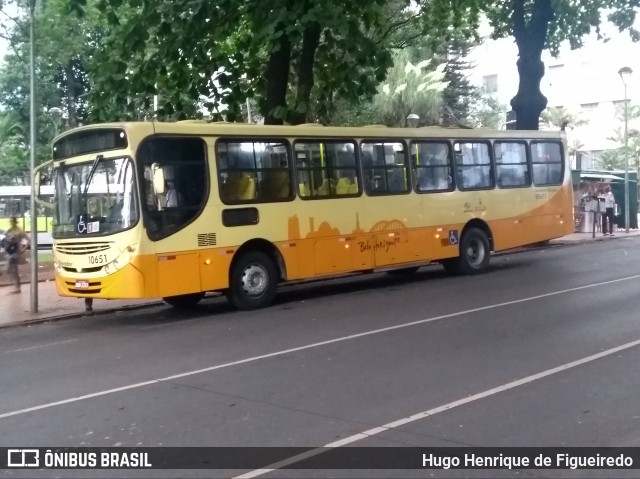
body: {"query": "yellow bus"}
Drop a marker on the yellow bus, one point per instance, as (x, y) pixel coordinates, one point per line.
(175, 210)
(15, 203)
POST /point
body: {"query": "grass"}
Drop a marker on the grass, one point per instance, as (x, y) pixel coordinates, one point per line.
(44, 258)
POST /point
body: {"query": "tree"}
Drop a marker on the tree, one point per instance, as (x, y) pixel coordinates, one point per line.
(485, 111)
(276, 52)
(459, 93)
(62, 46)
(536, 25)
(413, 89)
(561, 118)
(610, 160)
(13, 150)
(575, 145)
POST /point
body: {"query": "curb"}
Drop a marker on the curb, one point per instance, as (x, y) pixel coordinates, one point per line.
(79, 314)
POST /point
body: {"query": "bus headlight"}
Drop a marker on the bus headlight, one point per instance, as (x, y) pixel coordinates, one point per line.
(118, 263)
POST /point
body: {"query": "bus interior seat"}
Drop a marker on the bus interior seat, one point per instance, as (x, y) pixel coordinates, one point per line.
(325, 188)
(303, 190)
(239, 186)
(276, 185)
(246, 188)
(343, 187)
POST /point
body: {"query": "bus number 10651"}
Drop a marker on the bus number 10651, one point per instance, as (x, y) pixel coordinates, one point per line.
(98, 259)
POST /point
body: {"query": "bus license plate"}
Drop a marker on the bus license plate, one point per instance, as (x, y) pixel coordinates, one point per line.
(82, 284)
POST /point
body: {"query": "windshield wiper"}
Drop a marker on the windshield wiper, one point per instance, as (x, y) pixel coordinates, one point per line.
(94, 167)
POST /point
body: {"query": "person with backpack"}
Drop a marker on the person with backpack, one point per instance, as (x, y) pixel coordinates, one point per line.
(12, 244)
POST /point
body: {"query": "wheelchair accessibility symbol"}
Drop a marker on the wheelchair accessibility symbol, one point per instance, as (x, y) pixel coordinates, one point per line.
(453, 237)
(81, 224)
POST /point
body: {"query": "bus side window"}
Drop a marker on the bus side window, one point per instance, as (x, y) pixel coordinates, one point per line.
(183, 163)
(326, 168)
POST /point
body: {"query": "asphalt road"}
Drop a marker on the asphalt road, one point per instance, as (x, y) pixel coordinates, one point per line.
(541, 351)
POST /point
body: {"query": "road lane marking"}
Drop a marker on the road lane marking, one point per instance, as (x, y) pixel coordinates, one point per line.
(305, 347)
(432, 412)
(45, 345)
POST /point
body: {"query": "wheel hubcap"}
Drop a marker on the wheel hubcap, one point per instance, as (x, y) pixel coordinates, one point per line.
(254, 280)
(475, 252)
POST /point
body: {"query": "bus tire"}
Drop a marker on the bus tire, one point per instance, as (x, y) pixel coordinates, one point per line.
(474, 252)
(253, 281)
(184, 301)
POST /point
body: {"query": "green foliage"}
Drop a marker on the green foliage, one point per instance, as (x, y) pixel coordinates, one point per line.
(230, 50)
(62, 44)
(486, 112)
(561, 118)
(410, 88)
(611, 160)
(13, 150)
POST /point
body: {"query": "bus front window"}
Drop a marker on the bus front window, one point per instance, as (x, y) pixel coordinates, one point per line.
(95, 198)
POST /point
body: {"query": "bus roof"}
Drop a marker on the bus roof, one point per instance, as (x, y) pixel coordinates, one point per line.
(202, 128)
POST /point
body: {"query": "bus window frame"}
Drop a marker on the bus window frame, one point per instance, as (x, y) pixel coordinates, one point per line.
(255, 139)
(451, 165)
(330, 140)
(139, 169)
(528, 162)
(407, 166)
(562, 161)
(492, 164)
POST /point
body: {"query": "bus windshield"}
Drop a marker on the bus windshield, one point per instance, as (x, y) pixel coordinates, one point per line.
(95, 198)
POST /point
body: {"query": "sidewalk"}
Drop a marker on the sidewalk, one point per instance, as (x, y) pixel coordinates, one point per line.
(16, 308)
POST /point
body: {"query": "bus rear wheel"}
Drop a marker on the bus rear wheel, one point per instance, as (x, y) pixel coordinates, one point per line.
(474, 254)
(184, 301)
(253, 281)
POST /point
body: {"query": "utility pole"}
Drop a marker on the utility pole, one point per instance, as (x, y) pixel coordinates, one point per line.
(32, 108)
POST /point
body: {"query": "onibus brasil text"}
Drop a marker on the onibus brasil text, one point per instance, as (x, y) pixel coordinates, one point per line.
(73, 459)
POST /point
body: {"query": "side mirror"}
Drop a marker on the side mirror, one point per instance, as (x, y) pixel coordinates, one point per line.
(158, 178)
(44, 193)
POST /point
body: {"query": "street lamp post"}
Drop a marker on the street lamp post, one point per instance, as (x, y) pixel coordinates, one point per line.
(412, 120)
(56, 117)
(32, 166)
(625, 73)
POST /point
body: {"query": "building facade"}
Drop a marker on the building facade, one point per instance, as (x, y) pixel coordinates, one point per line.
(585, 82)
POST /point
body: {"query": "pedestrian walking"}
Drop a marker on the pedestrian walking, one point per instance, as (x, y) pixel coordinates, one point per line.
(609, 212)
(13, 244)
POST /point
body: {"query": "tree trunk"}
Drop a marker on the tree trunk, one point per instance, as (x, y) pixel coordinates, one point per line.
(277, 81)
(71, 91)
(530, 37)
(310, 41)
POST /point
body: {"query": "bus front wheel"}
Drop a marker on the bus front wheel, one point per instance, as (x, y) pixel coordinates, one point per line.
(253, 281)
(184, 301)
(474, 254)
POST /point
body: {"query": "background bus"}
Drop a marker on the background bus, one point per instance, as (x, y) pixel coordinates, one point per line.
(174, 210)
(15, 202)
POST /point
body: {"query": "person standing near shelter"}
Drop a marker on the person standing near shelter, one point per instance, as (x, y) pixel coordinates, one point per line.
(13, 246)
(609, 211)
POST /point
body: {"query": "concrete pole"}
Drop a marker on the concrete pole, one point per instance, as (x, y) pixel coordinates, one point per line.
(34, 213)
